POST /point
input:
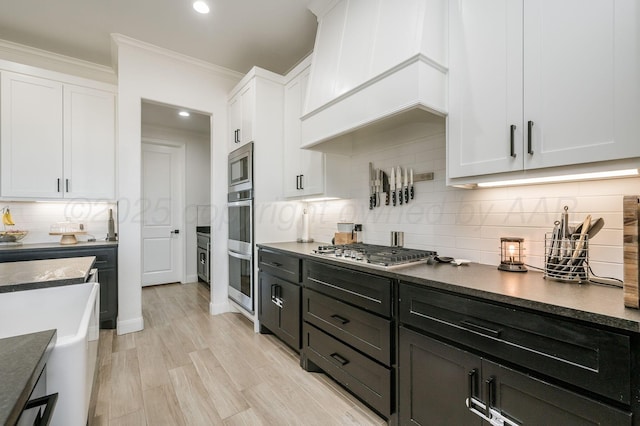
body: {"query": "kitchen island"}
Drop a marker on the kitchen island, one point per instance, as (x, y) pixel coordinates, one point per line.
(22, 360)
(437, 343)
(106, 254)
(33, 274)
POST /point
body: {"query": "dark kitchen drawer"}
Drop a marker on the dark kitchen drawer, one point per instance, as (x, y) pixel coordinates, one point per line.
(366, 291)
(364, 331)
(585, 356)
(366, 378)
(280, 265)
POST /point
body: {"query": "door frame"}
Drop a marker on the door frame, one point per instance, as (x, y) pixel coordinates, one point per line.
(181, 146)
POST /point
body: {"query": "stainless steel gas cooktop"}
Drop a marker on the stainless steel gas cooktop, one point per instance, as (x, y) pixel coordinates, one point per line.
(374, 255)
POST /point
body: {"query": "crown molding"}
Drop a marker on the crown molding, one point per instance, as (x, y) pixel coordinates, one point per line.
(21, 53)
(119, 40)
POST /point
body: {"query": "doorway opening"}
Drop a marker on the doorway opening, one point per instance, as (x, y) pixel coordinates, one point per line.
(176, 192)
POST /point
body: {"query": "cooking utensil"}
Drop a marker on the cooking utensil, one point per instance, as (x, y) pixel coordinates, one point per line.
(393, 185)
(399, 184)
(378, 186)
(406, 186)
(552, 257)
(595, 227)
(583, 233)
(411, 183)
(372, 187)
(385, 188)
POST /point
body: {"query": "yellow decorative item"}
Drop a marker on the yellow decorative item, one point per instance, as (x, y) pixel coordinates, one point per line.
(6, 217)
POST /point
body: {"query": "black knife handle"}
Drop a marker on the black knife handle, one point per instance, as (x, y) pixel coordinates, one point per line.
(393, 197)
(386, 198)
(406, 195)
(400, 197)
(371, 202)
(411, 192)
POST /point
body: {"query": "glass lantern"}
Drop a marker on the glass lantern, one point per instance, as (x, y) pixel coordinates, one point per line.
(511, 256)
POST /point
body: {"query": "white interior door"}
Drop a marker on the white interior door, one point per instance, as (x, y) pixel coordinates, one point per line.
(162, 221)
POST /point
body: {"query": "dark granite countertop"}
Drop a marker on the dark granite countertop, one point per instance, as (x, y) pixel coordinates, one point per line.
(34, 274)
(593, 303)
(57, 245)
(22, 358)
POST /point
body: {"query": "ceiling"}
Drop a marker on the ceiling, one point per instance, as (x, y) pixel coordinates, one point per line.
(236, 34)
(162, 115)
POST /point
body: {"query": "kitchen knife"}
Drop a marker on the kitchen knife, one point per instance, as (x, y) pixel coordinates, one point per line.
(411, 183)
(399, 184)
(393, 185)
(385, 188)
(406, 186)
(372, 192)
(378, 186)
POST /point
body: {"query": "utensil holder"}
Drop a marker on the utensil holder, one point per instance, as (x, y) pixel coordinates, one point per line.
(566, 259)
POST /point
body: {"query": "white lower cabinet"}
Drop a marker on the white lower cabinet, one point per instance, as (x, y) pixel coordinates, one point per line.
(541, 83)
(57, 140)
(307, 173)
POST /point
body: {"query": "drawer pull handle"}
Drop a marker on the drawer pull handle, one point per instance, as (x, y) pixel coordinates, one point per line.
(481, 329)
(276, 264)
(342, 320)
(342, 361)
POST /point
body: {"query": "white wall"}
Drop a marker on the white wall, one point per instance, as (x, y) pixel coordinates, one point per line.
(145, 72)
(469, 223)
(197, 183)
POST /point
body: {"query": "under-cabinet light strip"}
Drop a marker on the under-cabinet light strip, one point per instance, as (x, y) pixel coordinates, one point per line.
(565, 178)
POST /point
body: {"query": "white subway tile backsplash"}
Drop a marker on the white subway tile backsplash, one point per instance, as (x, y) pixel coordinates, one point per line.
(469, 223)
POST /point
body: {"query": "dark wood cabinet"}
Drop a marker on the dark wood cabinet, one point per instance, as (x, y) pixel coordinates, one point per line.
(106, 263)
(348, 331)
(452, 352)
(279, 296)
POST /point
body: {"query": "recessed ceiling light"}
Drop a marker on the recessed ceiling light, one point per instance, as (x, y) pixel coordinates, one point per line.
(201, 7)
(184, 114)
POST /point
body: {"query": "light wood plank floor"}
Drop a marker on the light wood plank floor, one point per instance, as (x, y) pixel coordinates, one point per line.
(190, 368)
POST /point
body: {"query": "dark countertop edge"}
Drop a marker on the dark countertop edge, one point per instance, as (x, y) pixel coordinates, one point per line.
(8, 288)
(567, 312)
(31, 381)
(52, 246)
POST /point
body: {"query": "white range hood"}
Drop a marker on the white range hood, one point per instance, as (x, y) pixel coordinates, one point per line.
(377, 65)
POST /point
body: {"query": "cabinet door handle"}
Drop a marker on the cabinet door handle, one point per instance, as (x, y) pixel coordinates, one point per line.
(342, 320)
(58, 184)
(341, 360)
(481, 329)
(489, 387)
(301, 182)
(297, 181)
(513, 140)
(43, 418)
(238, 135)
(529, 133)
(66, 184)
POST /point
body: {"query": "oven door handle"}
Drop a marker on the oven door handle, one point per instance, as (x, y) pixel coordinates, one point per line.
(242, 203)
(239, 255)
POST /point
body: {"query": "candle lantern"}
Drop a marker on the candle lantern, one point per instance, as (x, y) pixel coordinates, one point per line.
(511, 256)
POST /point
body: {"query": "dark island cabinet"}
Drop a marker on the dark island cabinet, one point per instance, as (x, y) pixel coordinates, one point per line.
(106, 264)
(279, 296)
(467, 361)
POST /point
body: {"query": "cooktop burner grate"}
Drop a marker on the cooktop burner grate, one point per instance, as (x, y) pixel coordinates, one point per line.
(374, 254)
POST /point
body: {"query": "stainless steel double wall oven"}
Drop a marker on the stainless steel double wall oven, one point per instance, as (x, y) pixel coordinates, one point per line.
(240, 242)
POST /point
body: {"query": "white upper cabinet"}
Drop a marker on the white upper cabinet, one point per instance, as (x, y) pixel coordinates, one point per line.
(306, 173)
(57, 140)
(241, 116)
(541, 83)
(89, 143)
(31, 138)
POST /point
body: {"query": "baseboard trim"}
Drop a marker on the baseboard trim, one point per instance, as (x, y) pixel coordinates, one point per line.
(130, 326)
(220, 308)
